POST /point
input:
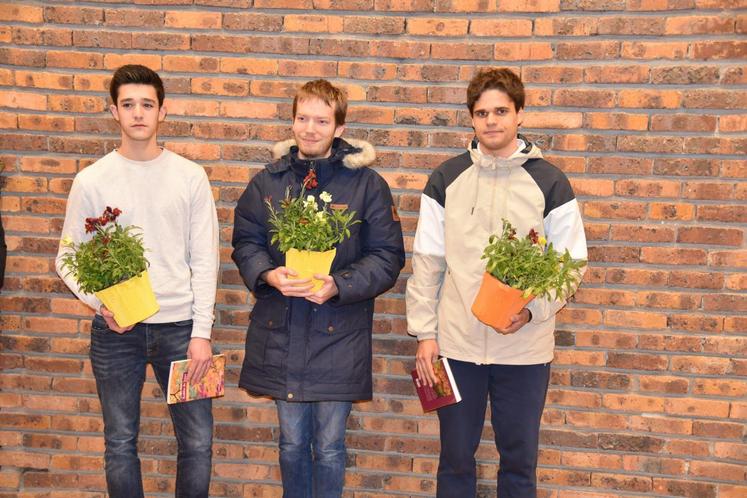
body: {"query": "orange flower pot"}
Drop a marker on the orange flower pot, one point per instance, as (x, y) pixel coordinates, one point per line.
(307, 263)
(496, 302)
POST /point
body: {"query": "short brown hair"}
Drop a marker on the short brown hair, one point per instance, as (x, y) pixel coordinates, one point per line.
(495, 79)
(137, 75)
(327, 93)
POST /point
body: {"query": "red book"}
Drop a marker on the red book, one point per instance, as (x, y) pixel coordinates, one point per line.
(444, 393)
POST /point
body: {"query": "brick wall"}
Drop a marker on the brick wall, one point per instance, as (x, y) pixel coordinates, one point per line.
(641, 102)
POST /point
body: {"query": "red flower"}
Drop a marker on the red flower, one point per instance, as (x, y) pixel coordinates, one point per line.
(310, 181)
(533, 236)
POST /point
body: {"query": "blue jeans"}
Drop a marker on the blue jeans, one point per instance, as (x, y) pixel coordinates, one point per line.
(312, 448)
(517, 399)
(118, 362)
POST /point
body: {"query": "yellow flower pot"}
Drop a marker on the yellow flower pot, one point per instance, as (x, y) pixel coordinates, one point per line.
(131, 301)
(307, 263)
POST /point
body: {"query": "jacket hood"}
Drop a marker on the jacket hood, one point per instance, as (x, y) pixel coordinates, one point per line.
(355, 153)
(529, 151)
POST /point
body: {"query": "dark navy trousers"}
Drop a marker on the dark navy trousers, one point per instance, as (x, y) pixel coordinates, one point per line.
(517, 398)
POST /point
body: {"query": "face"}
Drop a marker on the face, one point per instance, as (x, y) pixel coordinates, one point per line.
(137, 112)
(496, 123)
(314, 128)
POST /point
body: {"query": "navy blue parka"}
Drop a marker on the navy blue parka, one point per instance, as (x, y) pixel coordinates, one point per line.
(297, 350)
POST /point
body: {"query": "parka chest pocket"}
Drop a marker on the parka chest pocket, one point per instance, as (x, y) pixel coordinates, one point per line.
(339, 345)
(267, 340)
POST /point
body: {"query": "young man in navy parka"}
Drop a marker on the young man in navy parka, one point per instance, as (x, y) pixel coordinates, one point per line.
(311, 351)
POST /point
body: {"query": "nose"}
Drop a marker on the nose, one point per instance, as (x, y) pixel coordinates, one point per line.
(492, 118)
(138, 111)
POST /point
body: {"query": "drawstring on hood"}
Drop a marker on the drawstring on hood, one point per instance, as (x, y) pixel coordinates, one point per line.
(487, 163)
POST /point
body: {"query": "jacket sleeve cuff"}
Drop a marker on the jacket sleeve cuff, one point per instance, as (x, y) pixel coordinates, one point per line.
(201, 330)
(426, 336)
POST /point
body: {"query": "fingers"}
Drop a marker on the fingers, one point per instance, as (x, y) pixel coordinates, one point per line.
(111, 323)
(517, 321)
(201, 354)
(197, 370)
(427, 353)
(327, 291)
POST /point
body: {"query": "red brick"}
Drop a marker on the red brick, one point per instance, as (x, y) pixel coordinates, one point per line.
(691, 25)
(114, 61)
(596, 50)
(23, 100)
(642, 26)
(82, 60)
(654, 50)
(683, 74)
(644, 5)
(551, 74)
(27, 13)
(518, 51)
(133, 17)
(709, 50)
(500, 27)
(312, 23)
(374, 25)
(74, 15)
(46, 36)
(252, 21)
(732, 123)
(192, 20)
(710, 236)
(683, 122)
(635, 319)
(638, 233)
(565, 26)
(35, 79)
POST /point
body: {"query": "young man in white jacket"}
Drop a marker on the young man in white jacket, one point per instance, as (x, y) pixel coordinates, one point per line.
(169, 198)
(501, 175)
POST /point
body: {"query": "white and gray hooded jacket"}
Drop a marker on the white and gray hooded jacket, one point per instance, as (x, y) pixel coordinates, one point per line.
(462, 204)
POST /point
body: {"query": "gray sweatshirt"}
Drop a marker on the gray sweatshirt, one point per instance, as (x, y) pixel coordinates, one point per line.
(170, 199)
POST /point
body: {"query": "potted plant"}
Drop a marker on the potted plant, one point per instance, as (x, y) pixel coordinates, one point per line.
(517, 271)
(307, 231)
(112, 265)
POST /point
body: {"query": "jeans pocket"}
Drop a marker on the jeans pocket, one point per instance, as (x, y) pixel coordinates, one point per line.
(98, 324)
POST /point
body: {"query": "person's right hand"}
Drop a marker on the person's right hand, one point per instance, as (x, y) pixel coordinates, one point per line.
(424, 358)
(282, 279)
(111, 323)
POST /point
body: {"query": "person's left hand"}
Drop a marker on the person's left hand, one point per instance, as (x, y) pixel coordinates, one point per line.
(200, 352)
(517, 321)
(326, 292)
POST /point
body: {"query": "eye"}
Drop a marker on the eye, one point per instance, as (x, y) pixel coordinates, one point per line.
(323, 121)
(481, 114)
(148, 105)
(501, 112)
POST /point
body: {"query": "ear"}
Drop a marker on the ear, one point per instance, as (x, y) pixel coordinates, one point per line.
(339, 130)
(162, 113)
(115, 114)
(520, 116)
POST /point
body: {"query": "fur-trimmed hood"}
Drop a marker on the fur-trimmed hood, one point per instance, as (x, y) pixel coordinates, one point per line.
(355, 153)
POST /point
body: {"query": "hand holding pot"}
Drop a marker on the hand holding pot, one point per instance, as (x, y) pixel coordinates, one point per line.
(517, 321)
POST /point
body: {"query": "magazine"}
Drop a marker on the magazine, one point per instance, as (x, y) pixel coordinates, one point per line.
(442, 394)
(211, 385)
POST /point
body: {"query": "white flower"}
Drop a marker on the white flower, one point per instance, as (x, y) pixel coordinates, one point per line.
(67, 241)
(310, 199)
(320, 215)
(326, 197)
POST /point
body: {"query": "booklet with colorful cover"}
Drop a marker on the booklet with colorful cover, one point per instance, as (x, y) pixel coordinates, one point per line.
(211, 385)
(442, 394)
